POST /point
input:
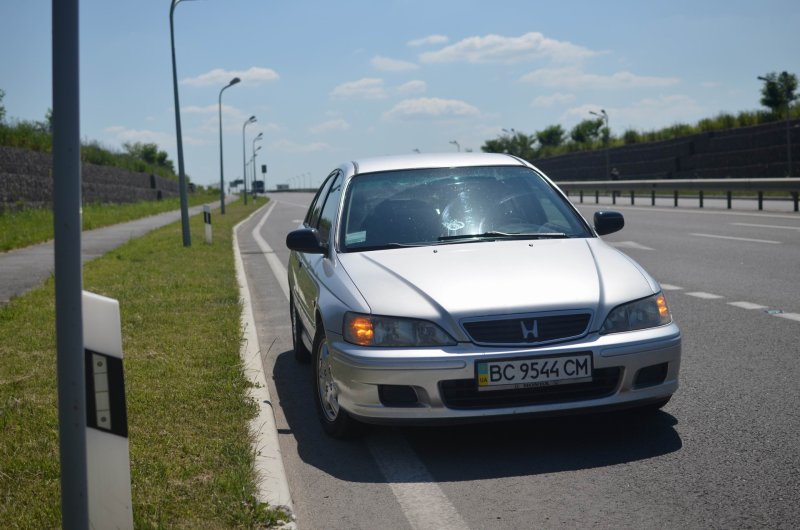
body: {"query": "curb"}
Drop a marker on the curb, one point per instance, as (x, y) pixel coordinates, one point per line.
(272, 485)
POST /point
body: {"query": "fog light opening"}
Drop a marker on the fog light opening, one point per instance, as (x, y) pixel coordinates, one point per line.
(651, 375)
(398, 396)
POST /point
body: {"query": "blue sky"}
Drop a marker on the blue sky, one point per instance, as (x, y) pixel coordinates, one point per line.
(334, 81)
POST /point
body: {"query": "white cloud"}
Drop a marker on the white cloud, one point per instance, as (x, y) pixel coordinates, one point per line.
(330, 125)
(431, 108)
(552, 100)
(385, 64)
(500, 49)
(413, 87)
(429, 40)
(366, 88)
(285, 146)
(219, 77)
(572, 78)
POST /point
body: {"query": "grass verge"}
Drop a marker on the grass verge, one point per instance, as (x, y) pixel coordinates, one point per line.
(191, 456)
(35, 225)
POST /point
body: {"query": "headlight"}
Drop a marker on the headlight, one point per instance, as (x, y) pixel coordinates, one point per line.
(645, 313)
(369, 330)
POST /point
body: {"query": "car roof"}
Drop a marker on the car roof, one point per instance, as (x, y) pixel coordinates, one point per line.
(435, 160)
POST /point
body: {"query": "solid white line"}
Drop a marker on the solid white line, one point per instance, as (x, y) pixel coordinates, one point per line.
(747, 305)
(738, 239)
(779, 227)
(273, 487)
(272, 260)
(705, 296)
(789, 316)
(423, 502)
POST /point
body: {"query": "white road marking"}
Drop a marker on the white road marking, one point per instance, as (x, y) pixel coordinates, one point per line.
(423, 502)
(789, 316)
(272, 260)
(779, 227)
(747, 305)
(705, 296)
(738, 238)
(670, 287)
(630, 244)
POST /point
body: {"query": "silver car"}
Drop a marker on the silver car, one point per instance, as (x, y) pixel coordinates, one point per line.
(464, 287)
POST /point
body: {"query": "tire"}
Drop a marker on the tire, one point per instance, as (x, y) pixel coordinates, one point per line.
(336, 422)
(301, 353)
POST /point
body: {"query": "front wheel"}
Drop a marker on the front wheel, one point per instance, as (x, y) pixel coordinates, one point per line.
(336, 422)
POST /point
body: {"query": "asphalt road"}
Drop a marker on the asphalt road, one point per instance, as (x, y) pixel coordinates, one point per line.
(724, 453)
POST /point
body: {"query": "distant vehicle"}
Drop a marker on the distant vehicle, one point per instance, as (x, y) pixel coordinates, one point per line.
(258, 186)
(442, 288)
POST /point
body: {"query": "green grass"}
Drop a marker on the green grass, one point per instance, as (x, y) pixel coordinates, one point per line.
(191, 456)
(35, 225)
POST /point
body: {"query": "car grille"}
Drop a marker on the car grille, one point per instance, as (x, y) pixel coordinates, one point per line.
(530, 330)
(464, 393)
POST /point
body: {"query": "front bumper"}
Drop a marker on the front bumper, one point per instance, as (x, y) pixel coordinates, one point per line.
(444, 379)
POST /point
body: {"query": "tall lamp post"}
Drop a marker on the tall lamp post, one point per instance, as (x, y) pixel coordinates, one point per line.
(187, 235)
(458, 146)
(788, 129)
(603, 115)
(221, 168)
(253, 180)
(253, 151)
(251, 119)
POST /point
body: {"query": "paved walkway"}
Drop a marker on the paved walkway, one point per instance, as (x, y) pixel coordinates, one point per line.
(26, 268)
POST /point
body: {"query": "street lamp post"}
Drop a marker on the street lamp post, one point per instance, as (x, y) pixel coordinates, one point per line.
(251, 119)
(788, 127)
(252, 183)
(603, 115)
(221, 168)
(187, 235)
(458, 147)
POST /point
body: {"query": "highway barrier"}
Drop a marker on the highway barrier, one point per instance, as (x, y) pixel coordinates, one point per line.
(681, 187)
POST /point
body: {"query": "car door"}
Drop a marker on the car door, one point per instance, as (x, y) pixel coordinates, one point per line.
(304, 267)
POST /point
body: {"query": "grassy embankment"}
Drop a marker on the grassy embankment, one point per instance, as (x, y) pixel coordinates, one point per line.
(35, 225)
(191, 457)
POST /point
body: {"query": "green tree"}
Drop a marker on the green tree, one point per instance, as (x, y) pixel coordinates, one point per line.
(552, 136)
(2, 108)
(586, 132)
(778, 91)
(516, 144)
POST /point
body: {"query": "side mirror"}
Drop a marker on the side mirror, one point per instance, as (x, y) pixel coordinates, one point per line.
(608, 222)
(305, 240)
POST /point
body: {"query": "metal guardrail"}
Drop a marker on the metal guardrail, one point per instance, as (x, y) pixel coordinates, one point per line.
(676, 186)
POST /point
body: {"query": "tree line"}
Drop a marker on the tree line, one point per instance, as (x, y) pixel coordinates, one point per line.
(778, 95)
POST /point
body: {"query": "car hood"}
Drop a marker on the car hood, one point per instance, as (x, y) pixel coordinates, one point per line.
(455, 281)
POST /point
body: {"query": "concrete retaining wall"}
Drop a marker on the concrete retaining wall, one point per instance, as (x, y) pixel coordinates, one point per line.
(26, 181)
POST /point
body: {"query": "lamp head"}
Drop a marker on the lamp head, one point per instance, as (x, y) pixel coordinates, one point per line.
(234, 81)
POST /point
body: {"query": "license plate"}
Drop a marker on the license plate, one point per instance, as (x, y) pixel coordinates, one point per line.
(533, 372)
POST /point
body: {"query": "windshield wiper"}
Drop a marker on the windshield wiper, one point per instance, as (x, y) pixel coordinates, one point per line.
(383, 246)
(492, 235)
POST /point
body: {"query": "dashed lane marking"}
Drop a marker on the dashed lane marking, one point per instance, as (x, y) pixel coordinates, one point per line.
(789, 316)
(705, 296)
(731, 238)
(747, 305)
(670, 287)
(630, 244)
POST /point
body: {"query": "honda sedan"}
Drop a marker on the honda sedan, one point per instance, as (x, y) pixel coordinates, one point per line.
(467, 287)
